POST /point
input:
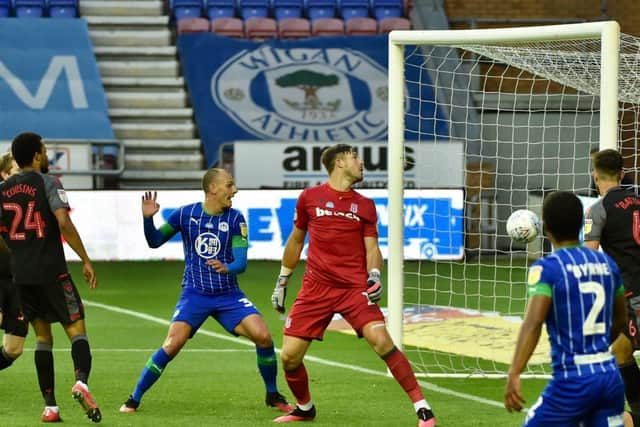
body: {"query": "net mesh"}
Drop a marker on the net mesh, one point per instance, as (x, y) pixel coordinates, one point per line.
(528, 116)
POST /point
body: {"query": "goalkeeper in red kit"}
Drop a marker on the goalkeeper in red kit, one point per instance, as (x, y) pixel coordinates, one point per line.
(342, 276)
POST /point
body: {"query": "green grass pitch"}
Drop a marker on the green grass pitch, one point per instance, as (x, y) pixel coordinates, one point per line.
(215, 381)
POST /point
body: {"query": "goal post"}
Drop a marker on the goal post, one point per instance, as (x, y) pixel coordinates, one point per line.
(514, 78)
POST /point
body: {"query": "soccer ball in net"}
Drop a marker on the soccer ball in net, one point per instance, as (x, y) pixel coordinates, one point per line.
(523, 226)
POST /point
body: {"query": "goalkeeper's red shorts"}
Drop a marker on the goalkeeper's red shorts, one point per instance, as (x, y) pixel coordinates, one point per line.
(316, 304)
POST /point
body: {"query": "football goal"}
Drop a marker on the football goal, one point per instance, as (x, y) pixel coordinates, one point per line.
(528, 105)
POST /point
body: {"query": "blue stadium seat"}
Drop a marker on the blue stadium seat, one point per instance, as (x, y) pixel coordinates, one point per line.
(350, 9)
(284, 9)
(5, 8)
(321, 9)
(63, 8)
(220, 9)
(30, 8)
(181, 9)
(254, 9)
(387, 9)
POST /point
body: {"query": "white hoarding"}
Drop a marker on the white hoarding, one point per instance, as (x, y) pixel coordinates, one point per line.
(110, 222)
(260, 164)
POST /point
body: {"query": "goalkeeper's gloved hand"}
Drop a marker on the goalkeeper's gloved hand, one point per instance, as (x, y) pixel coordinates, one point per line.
(280, 291)
(374, 285)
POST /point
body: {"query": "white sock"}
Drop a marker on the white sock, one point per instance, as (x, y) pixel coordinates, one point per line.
(53, 408)
(307, 406)
(421, 404)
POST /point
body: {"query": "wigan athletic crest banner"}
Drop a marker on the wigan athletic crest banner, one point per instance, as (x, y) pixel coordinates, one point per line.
(322, 89)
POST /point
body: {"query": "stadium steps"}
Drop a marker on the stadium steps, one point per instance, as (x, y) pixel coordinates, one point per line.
(147, 130)
(148, 104)
(121, 8)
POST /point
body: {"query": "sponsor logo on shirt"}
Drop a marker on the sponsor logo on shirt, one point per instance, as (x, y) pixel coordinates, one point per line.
(207, 245)
(326, 212)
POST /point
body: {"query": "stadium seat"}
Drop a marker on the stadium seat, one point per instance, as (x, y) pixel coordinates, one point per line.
(182, 9)
(230, 27)
(220, 9)
(294, 28)
(389, 24)
(327, 27)
(192, 25)
(361, 27)
(30, 8)
(5, 8)
(260, 28)
(63, 8)
(283, 9)
(350, 9)
(254, 9)
(321, 9)
(387, 9)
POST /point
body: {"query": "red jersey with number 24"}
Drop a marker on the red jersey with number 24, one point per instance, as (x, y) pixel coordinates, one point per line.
(337, 223)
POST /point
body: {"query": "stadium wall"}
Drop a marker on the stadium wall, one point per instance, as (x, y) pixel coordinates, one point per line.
(626, 12)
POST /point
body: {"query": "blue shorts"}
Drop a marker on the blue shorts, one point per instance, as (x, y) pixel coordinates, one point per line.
(228, 309)
(594, 400)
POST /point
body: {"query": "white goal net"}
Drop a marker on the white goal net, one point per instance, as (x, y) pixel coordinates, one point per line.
(528, 105)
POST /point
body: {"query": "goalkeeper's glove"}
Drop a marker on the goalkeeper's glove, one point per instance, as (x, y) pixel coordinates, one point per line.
(280, 291)
(374, 285)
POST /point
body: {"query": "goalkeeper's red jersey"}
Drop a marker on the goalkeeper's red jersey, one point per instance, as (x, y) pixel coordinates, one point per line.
(337, 223)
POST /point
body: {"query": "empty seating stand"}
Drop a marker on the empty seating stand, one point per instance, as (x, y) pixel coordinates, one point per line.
(294, 28)
(63, 8)
(30, 8)
(264, 19)
(230, 27)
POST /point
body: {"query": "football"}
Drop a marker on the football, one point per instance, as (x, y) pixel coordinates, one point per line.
(523, 226)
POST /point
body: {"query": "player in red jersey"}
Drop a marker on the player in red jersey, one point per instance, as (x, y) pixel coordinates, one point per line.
(342, 276)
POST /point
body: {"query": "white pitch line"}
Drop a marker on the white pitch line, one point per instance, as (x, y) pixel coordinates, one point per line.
(426, 385)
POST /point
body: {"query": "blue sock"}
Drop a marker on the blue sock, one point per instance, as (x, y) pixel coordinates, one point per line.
(150, 373)
(268, 366)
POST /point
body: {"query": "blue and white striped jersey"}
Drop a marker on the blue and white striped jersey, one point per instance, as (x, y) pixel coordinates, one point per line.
(583, 285)
(206, 237)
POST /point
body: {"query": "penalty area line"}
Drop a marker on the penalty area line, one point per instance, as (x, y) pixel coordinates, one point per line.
(428, 386)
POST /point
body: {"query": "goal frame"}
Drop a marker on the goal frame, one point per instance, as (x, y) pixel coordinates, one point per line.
(607, 31)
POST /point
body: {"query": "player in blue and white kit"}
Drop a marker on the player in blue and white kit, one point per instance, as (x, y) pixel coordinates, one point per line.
(578, 293)
(215, 248)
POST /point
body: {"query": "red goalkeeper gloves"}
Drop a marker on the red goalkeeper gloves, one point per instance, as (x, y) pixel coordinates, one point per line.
(374, 285)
